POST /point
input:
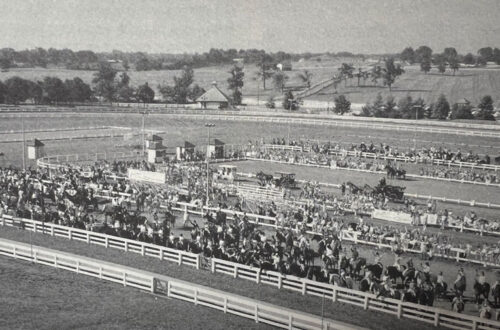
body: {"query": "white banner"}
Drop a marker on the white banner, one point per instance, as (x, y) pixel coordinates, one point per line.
(146, 176)
(394, 216)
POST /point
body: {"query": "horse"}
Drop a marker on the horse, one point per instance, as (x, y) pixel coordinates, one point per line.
(495, 292)
(393, 273)
(375, 269)
(263, 178)
(481, 291)
(355, 266)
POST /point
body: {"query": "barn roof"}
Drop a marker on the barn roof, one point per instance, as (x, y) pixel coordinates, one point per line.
(214, 94)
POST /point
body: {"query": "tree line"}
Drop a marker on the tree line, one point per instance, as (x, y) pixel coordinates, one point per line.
(140, 61)
(449, 58)
(409, 108)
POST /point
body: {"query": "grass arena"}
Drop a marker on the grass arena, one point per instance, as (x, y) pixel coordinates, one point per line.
(452, 246)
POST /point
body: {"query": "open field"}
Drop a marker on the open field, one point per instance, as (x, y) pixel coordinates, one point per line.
(310, 304)
(471, 83)
(40, 297)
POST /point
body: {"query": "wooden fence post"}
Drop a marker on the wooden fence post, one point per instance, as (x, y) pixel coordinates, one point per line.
(400, 310)
(334, 294)
(225, 305)
(124, 278)
(365, 305)
(436, 319)
(106, 242)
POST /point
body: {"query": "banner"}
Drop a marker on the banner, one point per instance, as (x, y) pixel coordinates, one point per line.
(430, 219)
(146, 176)
(394, 216)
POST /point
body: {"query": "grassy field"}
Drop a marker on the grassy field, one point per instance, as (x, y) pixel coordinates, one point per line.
(471, 83)
(338, 311)
(41, 297)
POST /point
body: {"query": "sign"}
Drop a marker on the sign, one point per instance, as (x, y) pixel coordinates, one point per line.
(393, 216)
(146, 176)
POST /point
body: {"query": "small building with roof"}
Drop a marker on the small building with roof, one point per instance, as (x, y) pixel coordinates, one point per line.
(185, 151)
(156, 151)
(214, 98)
(36, 149)
(216, 149)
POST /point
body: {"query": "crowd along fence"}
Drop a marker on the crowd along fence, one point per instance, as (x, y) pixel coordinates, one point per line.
(368, 301)
(165, 286)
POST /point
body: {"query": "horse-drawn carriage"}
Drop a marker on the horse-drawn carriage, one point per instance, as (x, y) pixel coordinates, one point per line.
(225, 172)
(285, 180)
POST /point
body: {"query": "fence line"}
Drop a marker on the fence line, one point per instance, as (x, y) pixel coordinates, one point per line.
(165, 286)
(156, 284)
(443, 199)
(108, 241)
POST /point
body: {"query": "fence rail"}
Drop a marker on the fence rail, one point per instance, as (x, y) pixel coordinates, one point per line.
(108, 241)
(436, 316)
(172, 288)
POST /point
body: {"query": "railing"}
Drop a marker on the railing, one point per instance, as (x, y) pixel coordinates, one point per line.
(108, 241)
(366, 300)
(57, 161)
(442, 199)
(415, 160)
(165, 286)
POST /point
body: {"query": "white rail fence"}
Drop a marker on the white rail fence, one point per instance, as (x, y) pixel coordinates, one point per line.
(158, 284)
(108, 241)
(166, 286)
(436, 316)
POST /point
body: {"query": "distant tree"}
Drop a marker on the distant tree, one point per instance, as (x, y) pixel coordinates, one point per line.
(376, 74)
(17, 90)
(180, 92)
(461, 112)
(346, 72)
(126, 65)
(264, 65)
(481, 61)
(423, 53)
(306, 77)
(126, 93)
(279, 80)
(78, 90)
(425, 66)
(454, 65)
(195, 92)
(441, 108)
(235, 83)
(289, 101)
(469, 59)
(390, 72)
(450, 53)
(104, 82)
(145, 94)
(342, 105)
(378, 108)
(3, 92)
(442, 67)
(496, 55)
(408, 55)
(486, 109)
(54, 90)
(35, 91)
(486, 53)
(391, 110)
(405, 106)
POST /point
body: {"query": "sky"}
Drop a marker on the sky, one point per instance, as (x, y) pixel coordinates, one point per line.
(178, 26)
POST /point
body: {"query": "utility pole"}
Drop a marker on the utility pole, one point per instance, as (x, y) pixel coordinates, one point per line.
(24, 142)
(143, 139)
(208, 126)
